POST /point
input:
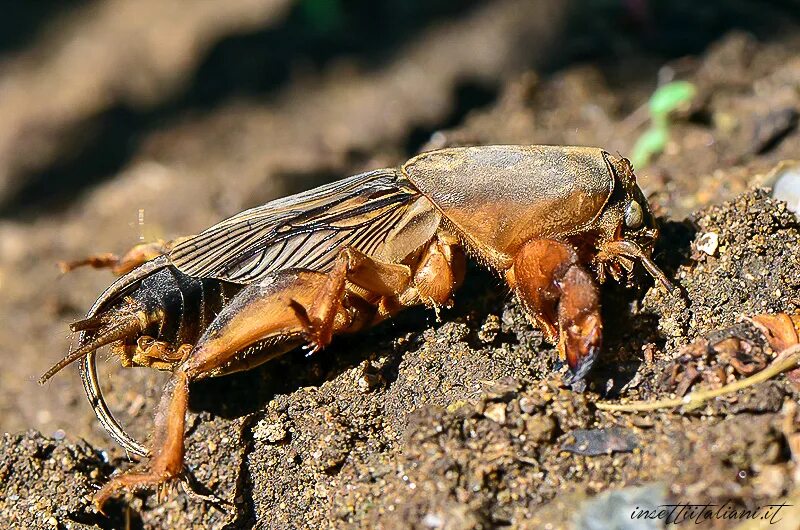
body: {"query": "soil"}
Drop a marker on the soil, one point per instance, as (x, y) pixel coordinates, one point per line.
(451, 420)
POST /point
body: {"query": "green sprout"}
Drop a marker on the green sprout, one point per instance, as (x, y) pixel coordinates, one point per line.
(664, 101)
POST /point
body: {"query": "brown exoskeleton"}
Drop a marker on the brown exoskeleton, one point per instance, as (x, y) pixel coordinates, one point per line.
(554, 221)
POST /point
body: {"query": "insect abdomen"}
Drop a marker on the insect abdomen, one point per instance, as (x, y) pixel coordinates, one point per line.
(180, 307)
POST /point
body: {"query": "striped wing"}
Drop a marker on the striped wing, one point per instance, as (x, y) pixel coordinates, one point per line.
(300, 231)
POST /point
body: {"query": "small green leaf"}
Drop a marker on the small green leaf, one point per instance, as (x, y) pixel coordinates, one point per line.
(669, 97)
(649, 144)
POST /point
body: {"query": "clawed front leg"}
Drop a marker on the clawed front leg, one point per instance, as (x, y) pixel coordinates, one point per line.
(562, 298)
(580, 326)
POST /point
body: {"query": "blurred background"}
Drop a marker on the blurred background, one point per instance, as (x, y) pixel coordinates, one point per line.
(124, 121)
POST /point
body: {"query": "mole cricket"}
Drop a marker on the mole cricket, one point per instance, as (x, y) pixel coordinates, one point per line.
(553, 221)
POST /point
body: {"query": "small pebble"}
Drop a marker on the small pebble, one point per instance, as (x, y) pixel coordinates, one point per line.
(708, 243)
(496, 412)
(527, 405)
(273, 432)
(787, 187)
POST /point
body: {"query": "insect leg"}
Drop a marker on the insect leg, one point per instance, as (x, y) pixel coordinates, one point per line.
(371, 276)
(561, 296)
(295, 306)
(621, 250)
(119, 265)
(438, 274)
(261, 314)
(168, 447)
(151, 353)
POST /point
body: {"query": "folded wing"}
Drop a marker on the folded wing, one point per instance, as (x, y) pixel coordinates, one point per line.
(301, 231)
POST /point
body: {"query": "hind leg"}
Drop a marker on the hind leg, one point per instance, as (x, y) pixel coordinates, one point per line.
(167, 460)
(260, 310)
(281, 311)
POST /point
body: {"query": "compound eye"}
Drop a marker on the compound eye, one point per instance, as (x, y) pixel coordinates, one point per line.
(634, 216)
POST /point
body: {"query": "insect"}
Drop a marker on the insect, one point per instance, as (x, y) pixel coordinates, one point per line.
(553, 221)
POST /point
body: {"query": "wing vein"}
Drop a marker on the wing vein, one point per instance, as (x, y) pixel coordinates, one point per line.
(301, 231)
